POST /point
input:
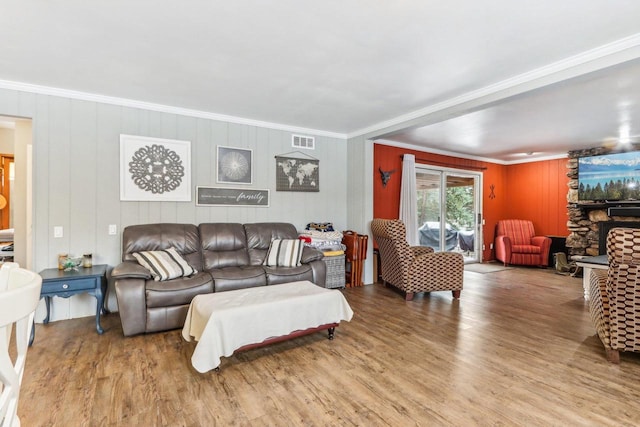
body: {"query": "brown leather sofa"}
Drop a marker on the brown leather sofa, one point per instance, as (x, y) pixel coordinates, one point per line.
(226, 256)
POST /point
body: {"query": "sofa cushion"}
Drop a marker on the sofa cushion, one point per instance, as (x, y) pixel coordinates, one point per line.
(230, 278)
(284, 253)
(177, 291)
(278, 275)
(223, 245)
(156, 237)
(525, 249)
(164, 265)
(260, 236)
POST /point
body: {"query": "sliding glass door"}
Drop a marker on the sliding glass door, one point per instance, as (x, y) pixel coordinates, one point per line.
(448, 206)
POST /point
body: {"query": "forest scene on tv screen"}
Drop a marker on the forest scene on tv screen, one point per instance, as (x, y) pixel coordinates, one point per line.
(609, 177)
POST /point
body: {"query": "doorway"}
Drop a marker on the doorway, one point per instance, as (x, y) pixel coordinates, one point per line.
(7, 175)
(449, 211)
(15, 187)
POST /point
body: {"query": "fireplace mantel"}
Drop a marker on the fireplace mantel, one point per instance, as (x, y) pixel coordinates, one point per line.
(588, 206)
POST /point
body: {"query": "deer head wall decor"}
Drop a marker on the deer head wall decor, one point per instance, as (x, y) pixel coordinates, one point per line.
(385, 176)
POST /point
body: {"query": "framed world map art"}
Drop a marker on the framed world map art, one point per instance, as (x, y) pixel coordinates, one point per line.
(154, 169)
(235, 165)
(295, 174)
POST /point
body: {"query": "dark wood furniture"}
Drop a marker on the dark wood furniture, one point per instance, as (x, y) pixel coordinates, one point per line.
(558, 244)
(355, 254)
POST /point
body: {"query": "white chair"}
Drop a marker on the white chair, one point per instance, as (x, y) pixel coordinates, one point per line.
(4, 274)
(19, 296)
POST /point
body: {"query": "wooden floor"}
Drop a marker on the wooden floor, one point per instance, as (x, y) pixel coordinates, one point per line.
(517, 349)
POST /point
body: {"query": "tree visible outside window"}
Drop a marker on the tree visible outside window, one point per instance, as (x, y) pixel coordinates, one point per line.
(460, 207)
(459, 202)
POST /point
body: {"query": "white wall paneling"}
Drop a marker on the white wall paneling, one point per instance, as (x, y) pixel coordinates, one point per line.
(360, 195)
(76, 178)
(20, 202)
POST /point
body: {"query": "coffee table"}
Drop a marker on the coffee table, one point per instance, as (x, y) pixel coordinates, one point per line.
(226, 322)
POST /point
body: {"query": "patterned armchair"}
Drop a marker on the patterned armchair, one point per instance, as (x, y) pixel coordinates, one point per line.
(415, 268)
(614, 294)
(516, 243)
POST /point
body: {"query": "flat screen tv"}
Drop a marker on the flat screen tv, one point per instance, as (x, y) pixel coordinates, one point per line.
(609, 177)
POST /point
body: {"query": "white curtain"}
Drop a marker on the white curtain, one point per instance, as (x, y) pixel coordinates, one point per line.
(408, 198)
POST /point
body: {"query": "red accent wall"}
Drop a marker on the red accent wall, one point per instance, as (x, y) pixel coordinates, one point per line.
(535, 191)
(538, 191)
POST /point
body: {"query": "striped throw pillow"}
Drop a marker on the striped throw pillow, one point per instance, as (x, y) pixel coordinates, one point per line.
(164, 265)
(284, 253)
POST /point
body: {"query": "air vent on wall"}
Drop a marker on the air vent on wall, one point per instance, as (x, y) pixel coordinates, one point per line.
(299, 141)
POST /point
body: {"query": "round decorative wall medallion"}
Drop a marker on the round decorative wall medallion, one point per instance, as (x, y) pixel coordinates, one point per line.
(234, 165)
(157, 169)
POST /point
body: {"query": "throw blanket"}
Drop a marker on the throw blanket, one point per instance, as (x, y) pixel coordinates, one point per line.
(225, 321)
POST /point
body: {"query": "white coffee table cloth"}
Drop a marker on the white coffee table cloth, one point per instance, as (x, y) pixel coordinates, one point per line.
(225, 321)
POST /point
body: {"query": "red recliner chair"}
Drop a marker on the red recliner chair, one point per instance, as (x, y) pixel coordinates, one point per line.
(516, 243)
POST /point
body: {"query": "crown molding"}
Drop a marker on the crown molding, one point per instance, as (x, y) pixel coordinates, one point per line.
(524, 159)
(132, 103)
(528, 159)
(436, 151)
(617, 52)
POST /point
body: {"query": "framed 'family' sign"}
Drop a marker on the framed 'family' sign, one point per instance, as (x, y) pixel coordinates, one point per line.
(223, 196)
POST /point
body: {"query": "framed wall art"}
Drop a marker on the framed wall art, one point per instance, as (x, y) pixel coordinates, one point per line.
(154, 169)
(223, 196)
(295, 174)
(235, 165)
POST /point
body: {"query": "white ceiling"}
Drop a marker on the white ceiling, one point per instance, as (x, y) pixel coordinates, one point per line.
(489, 79)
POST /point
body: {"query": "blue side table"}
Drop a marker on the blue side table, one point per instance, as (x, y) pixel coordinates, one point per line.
(60, 283)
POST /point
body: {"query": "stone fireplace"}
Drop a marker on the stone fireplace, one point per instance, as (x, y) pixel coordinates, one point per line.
(590, 221)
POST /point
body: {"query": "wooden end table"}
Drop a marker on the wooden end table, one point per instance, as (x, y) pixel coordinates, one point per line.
(60, 283)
